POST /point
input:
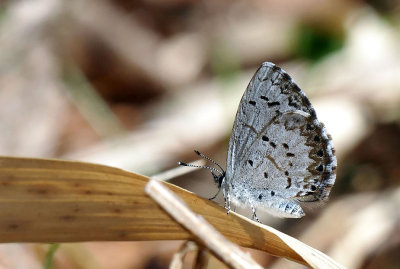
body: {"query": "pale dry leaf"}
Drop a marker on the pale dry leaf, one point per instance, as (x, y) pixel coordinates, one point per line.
(63, 201)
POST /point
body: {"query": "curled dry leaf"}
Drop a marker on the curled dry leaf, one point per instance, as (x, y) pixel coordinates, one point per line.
(63, 201)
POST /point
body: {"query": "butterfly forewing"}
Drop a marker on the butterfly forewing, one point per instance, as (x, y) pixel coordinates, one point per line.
(278, 151)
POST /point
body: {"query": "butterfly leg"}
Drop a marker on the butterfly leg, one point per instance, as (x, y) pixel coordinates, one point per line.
(212, 198)
(228, 202)
(227, 197)
(254, 216)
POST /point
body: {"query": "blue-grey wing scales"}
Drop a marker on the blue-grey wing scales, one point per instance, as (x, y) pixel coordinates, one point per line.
(279, 153)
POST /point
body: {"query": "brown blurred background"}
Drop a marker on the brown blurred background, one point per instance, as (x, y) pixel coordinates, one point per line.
(140, 84)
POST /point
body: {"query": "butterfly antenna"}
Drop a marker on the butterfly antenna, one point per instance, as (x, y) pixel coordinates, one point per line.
(209, 159)
(198, 166)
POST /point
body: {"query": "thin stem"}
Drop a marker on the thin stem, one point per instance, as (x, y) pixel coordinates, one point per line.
(50, 255)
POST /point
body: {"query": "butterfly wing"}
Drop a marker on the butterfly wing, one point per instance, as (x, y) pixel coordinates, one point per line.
(278, 151)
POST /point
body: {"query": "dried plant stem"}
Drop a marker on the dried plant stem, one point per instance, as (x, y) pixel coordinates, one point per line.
(177, 259)
(202, 258)
(228, 252)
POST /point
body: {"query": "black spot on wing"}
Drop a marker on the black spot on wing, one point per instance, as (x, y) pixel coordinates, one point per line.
(320, 168)
(271, 104)
(308, 103)
(313, 188)
(265, 138)
(276, 68)
(286, 77)
(292, 103)
(295, 88)
(288, 183)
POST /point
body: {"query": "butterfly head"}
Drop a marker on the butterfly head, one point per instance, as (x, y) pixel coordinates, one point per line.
(218, 179)
(218, 174)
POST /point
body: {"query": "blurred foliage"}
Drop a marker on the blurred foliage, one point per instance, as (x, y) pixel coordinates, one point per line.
(314, 42)
(94, 108)
(373, 164)
(3, 13)
(224, 62)
(50, 255)
(387, 8)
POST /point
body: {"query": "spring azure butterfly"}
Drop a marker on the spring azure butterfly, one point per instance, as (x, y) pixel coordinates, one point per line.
(279, 153)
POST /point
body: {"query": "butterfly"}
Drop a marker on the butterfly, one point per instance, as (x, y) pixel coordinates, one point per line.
(279, 154)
